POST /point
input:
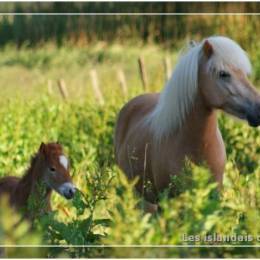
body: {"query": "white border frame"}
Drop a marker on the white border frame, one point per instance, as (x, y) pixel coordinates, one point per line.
(130, 14)
(133, 14)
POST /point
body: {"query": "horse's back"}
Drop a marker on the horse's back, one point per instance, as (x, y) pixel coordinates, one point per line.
(131, 114)
(7, 184)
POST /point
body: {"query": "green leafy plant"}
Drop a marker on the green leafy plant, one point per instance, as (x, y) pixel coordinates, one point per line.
(106, 209)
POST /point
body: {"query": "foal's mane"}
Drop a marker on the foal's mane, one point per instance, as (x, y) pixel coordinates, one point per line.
(178, 95)
(29, 175)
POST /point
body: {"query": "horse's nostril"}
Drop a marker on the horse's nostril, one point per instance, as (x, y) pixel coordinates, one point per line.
(253, 119)
(67, 190)
(71, 192)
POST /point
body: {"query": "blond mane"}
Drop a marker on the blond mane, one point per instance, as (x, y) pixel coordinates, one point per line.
(178, 95)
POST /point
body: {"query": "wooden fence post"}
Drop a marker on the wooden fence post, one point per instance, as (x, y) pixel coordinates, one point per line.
(49, 85)
(122, 82)
(143, 73)
(95, 86)
(167, 68)
(63, 89)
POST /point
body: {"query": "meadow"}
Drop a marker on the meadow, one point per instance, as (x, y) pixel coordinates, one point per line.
(106, 211)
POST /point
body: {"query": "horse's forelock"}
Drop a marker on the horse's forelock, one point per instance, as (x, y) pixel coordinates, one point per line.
(52, 149)
(226, 52)
(50, 153)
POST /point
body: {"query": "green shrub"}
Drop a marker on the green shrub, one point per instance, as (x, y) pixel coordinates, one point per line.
(106, 209)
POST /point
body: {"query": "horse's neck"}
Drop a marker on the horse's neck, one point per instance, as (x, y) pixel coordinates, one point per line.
(201, 123)
(203, 141)
(200, 138)
(31, 184)
(35, 189)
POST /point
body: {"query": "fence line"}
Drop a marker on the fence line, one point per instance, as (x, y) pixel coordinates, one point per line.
(121, 77)
(50, 88)
(143, 74)
(122, 82)
(95, 86)
(167, 68)
(63, 89)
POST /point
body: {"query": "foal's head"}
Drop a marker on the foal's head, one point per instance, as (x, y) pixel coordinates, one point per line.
(223, 81)
(54, 169)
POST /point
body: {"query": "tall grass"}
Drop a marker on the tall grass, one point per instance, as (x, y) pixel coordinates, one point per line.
(106, 210)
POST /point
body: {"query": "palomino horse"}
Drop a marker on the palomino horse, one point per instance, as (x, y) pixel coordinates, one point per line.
(49, 170)
(156, 132)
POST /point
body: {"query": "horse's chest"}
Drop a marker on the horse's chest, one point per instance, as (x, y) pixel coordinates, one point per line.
(169, 159)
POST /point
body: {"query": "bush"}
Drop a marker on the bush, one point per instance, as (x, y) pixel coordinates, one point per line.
(106, 209)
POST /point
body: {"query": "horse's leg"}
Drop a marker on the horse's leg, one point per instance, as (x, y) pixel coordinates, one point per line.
(2, 252)
(217, 160)
(145, 205)
(218, 176)
(148, 207)
(219, 179)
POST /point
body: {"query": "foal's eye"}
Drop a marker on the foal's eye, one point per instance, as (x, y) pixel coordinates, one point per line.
(224, 74)
(52, 169)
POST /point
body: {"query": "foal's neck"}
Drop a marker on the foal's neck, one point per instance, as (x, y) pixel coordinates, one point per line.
(31, 188)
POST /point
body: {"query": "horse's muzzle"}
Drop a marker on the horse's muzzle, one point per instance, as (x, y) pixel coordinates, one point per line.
(253, 115)
(67, 190)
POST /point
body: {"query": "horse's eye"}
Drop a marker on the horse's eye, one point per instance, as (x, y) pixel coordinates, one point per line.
(52, 169)
(224, 74)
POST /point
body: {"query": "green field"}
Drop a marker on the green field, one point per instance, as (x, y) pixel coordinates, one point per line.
(106, 211)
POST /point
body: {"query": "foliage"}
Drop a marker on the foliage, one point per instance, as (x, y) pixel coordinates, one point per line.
(83, 226)
(34, 30)
(14, 230)
(105, 209)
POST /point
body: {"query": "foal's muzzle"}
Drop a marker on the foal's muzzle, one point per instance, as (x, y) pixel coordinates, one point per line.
(67, 190)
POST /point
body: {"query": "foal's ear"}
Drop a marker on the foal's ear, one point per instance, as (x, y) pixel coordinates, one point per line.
(207, 49)
(42, 147)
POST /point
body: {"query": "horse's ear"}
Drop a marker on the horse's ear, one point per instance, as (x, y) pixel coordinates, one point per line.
(42, 147)
(208, 49)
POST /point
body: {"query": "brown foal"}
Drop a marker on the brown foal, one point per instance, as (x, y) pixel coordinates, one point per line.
(49, 170)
